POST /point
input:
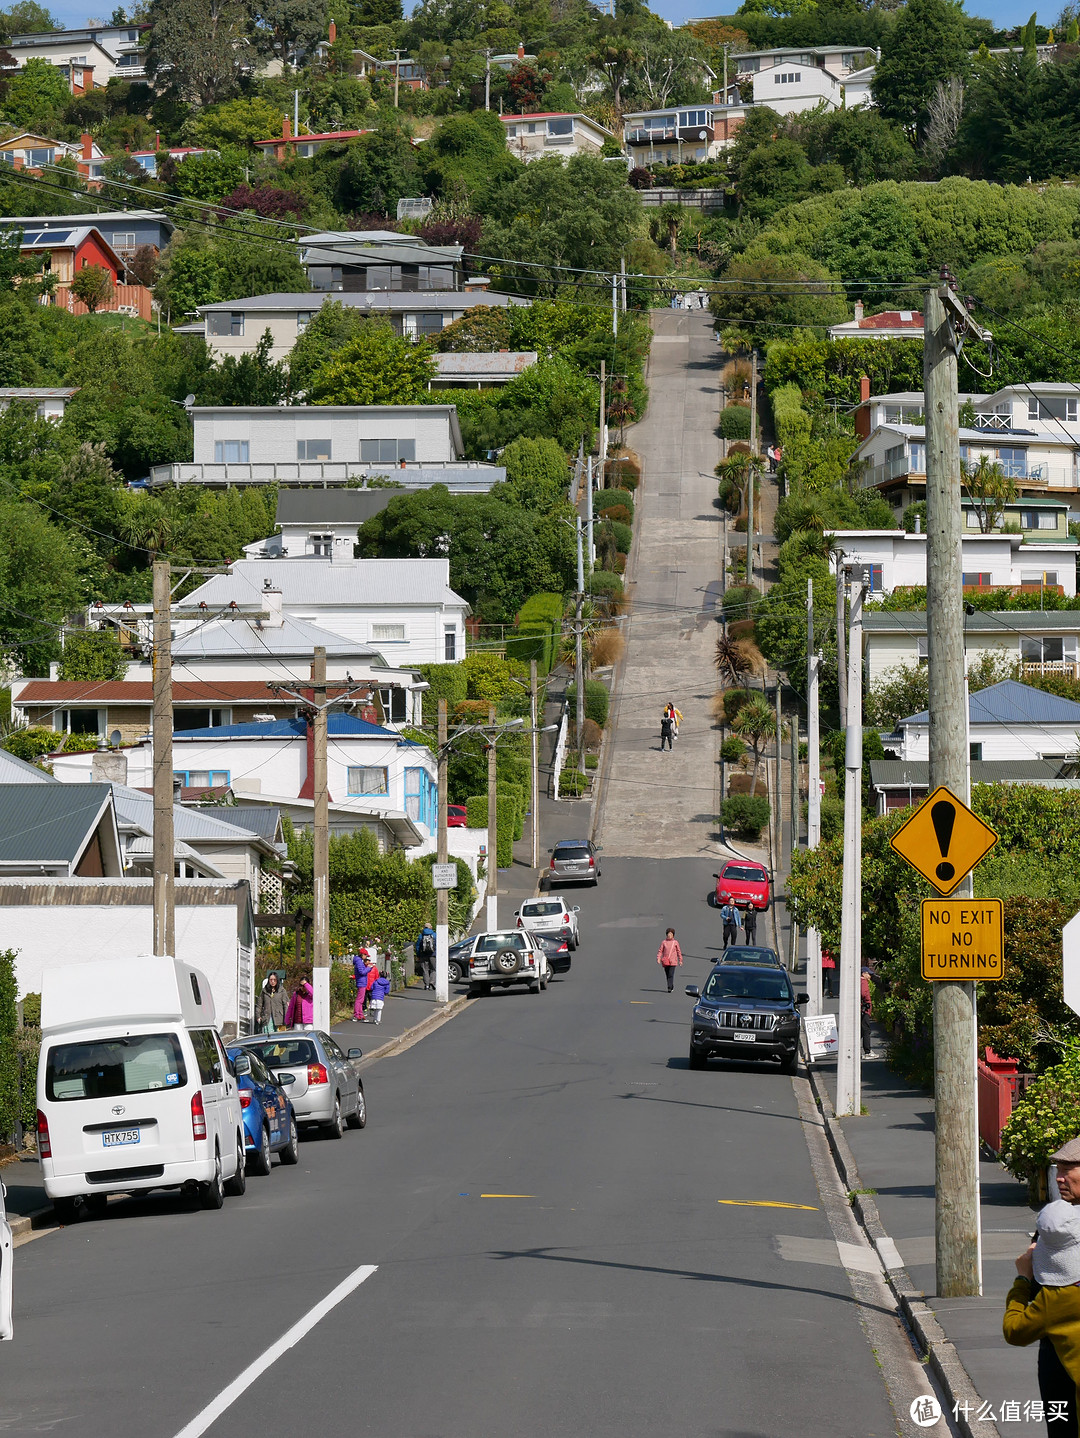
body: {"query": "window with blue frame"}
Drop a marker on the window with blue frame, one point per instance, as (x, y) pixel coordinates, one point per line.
(422, 798)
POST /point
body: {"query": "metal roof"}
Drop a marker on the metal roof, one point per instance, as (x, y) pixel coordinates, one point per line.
(38, 393)
(915, 773)
(291, 637)
(266, 822)
(141, 692)
(314, 579)
(507, 364)
(142, 847)
(331, 506)
(983, 621)
(1013, 703)
(18, 771)
(338, 725)
(380, 301)
(106, 216)
(49, 823)
(193, 826)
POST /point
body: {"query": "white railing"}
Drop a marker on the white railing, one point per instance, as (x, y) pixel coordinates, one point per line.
(560, 751)
(1069, 668)
(469, 476)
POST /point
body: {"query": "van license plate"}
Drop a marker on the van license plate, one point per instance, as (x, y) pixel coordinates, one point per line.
(114, 1137)
(744, 1038)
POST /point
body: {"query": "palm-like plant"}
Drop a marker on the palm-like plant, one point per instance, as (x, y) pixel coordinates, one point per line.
(756, 724)
(732, 660)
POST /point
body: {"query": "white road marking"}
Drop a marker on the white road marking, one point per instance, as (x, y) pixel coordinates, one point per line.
(888, 1252)
(827, 1251)
(228, 1396)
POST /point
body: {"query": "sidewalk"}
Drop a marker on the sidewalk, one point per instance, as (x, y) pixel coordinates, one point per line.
(893, 1147)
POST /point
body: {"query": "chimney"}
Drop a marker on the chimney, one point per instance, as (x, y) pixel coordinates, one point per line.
(862, 414)
(331, 34)
(271, 602)
(858, 310)
(87, 145)
(108, 766)
(286, 128)
(521, 50)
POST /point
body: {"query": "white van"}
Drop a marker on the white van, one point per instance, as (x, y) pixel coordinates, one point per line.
(134, 1088)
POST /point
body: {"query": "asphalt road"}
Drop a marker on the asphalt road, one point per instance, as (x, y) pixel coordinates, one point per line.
(615, 1291)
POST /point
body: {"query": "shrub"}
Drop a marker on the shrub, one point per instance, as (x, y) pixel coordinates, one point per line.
(596, 700)
(619, 514)
(732, 750)
(739, 601)
(623, 535)
(1045, 1118)
(591, 761)
(734, 699)
(832, 817)
(9, 1064)
(735, 422)
(539, 626)
(506, 806)
(602, 581)
(446, 681)
(572, 783)
(591, 735)
(607, 648)
(476, 811)
(31, 744)
(606, 499)
(746, 816)
(623, 471)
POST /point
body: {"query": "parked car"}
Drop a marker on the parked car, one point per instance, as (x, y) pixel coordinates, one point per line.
(457, 816)
(134, 1088)
(574, 861)
(549, 916)
(557, 950)
(750, 954)
(504, 957)
(7, 1328)
(745, 1011)
(744, 884)
(326, 1089)
(459, 959)
(269, 1120)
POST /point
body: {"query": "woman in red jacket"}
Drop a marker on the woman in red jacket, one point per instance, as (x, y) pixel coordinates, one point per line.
(669, 958)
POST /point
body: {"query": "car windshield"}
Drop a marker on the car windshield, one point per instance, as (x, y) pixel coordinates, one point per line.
(734, 985)
(286, 1053)
(542, 907)
(571, 851)
(746, 955)
(490, 942)
(746, 873)
(110, 1068)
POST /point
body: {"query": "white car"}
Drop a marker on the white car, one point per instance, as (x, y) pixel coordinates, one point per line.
(6, 1327)
(504, 957)
(549, 915)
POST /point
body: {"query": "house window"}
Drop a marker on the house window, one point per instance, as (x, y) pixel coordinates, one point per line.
(218, 323)
(231, 451)
(1047, 649)
(787, 77)
(388, 631)
(185, 719)
(975, 580)
(1053, 408)
(560, 127)
(80, 721)
(1013, 462)
(421, 798)
(1035, 576)
(365, 779)
(896, 452)
(922, 647)
(694, 118)
(123, 241)
(971, 518)
(450, 644)
(202, 778)
(918, 458)
(387, 451)
(38, 159)
(146, 162)
(511, 130)
(749, 66)
(1038, 519)
(395, 703)
(303, 319)
(311, 449)
(872, 577)
(975, 753)
(322, 545)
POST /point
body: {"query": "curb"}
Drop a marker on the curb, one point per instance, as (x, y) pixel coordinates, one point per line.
(934, 1346)
(23, 1228)
(417, 1032)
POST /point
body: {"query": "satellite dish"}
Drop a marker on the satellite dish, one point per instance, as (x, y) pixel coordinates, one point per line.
(189, 400)
(114, 738)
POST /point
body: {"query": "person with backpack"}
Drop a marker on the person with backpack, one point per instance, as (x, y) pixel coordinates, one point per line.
(750, 924)
(424, 948)
(667, 729)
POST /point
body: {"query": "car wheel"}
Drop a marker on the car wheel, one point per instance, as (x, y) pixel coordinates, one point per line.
(572, 943)
(790, 1065)
(336, 1127)
(259, 1162)
(535, 986)
(291, 1152)
(358, 1117)
(697, 1060)
(454, 972)
(236, 1186)
(212, 1194)
(66, 1210)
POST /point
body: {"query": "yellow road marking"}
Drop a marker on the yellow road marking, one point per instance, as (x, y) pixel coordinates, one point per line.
(765, 1203)
(641, 1001)
(508, 1195)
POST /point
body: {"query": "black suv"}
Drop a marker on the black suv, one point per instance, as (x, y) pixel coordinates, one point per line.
(746, 1012)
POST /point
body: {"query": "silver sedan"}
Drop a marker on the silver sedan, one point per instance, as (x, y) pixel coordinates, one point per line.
(321, 1080)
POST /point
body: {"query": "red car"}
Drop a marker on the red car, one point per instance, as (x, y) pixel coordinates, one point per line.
(457, 816)
(745, 884)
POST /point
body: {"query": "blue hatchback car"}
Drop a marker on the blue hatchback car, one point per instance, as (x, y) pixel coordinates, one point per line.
(269, 1121)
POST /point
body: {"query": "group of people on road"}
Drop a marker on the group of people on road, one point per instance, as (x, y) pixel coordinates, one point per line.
(669, 725)
(372, 987)
(733, 919)
(274, 1011)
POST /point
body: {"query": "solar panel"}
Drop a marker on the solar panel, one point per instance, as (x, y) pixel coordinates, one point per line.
(42, 237)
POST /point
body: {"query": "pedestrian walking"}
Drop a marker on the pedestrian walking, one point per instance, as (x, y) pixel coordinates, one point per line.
(270, 1013)
(669, 957)
(865, 1004)
(1043, 1304)
(675, 716)
(750, 924)
(729, 916)
(667, 728)
(378, 991)
(424, 948)
(360, 972)
(301, 1011)
(828, 972)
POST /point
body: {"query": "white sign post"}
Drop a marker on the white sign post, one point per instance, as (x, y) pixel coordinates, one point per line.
(1070, 962)
(444, 876)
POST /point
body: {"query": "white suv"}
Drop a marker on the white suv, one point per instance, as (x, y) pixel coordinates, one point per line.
(550, 916)
(505, 957)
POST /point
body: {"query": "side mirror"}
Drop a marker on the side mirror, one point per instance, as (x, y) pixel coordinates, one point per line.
(551, 851)
(598, 848)
(241, 1065)
(284, 1080)
(802, 998)
(716, 876)
(692, 991)
(576, 909)
(355, 1054)
(517, 913)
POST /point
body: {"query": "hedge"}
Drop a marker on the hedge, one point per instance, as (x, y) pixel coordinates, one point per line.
(446, 681)
(623, 535)
(506, 819)
(538, 632)
(602, 581)
(623, 471)
(790, 420)
(605, 499)
(596, 700)
(9, 1062)
(735, 422)
(745, 815)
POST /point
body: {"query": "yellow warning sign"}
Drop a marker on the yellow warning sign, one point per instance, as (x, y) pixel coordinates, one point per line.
(943, 840)
(962, 939)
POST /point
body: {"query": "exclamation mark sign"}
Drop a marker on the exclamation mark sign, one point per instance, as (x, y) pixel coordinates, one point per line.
(943, 817)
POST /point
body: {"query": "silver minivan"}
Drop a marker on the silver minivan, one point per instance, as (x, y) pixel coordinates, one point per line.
(134, 1089)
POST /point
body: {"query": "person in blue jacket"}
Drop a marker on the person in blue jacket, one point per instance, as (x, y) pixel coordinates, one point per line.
(361, 968)
(379, 990)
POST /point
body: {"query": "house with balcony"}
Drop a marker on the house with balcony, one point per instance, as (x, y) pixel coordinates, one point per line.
(35, 153)
(531, 136)
(1038, 641)
(692, 133)
(1032, 431)
(362, 261)
(791, 80)
(89, 58)
(891, 559)
(416, 445)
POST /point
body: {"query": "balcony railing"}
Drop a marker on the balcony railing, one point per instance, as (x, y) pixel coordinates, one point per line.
(1069, 668)
(461, 476)
(1035, 476)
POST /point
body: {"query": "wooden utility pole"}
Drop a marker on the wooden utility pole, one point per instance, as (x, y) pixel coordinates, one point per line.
(442, 896)
(813, 792)
(956, 1226)
(164, 847)
(779, 816)
(493, 823)
(849, 1053)
(751, 471)
(320, 976)
(535, 737)
(397, 75)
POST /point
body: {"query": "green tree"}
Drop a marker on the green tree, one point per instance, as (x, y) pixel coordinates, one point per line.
(377, 367)
(199, 268)
(93, 286)
(41, 583)
(27, 17)
(330, 328)
(786, 290)
(205, 177)
(379, 170)
(480, 330)
(92, 654)
(36, 94)
(990, 489)
(247, 379)
(291, 29)
(536, 473)
(238, 122)
(199, 49)
(928, 42)
(755, 723)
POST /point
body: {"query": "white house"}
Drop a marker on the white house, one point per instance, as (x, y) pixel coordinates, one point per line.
(48, 403)
(1008, 721)
(885, 325)
(894, 559)
(418, 444)
(1042, 641)
(668, 137)
(533, 135)
(791, 80)
(1032, 431)
(898, 783)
